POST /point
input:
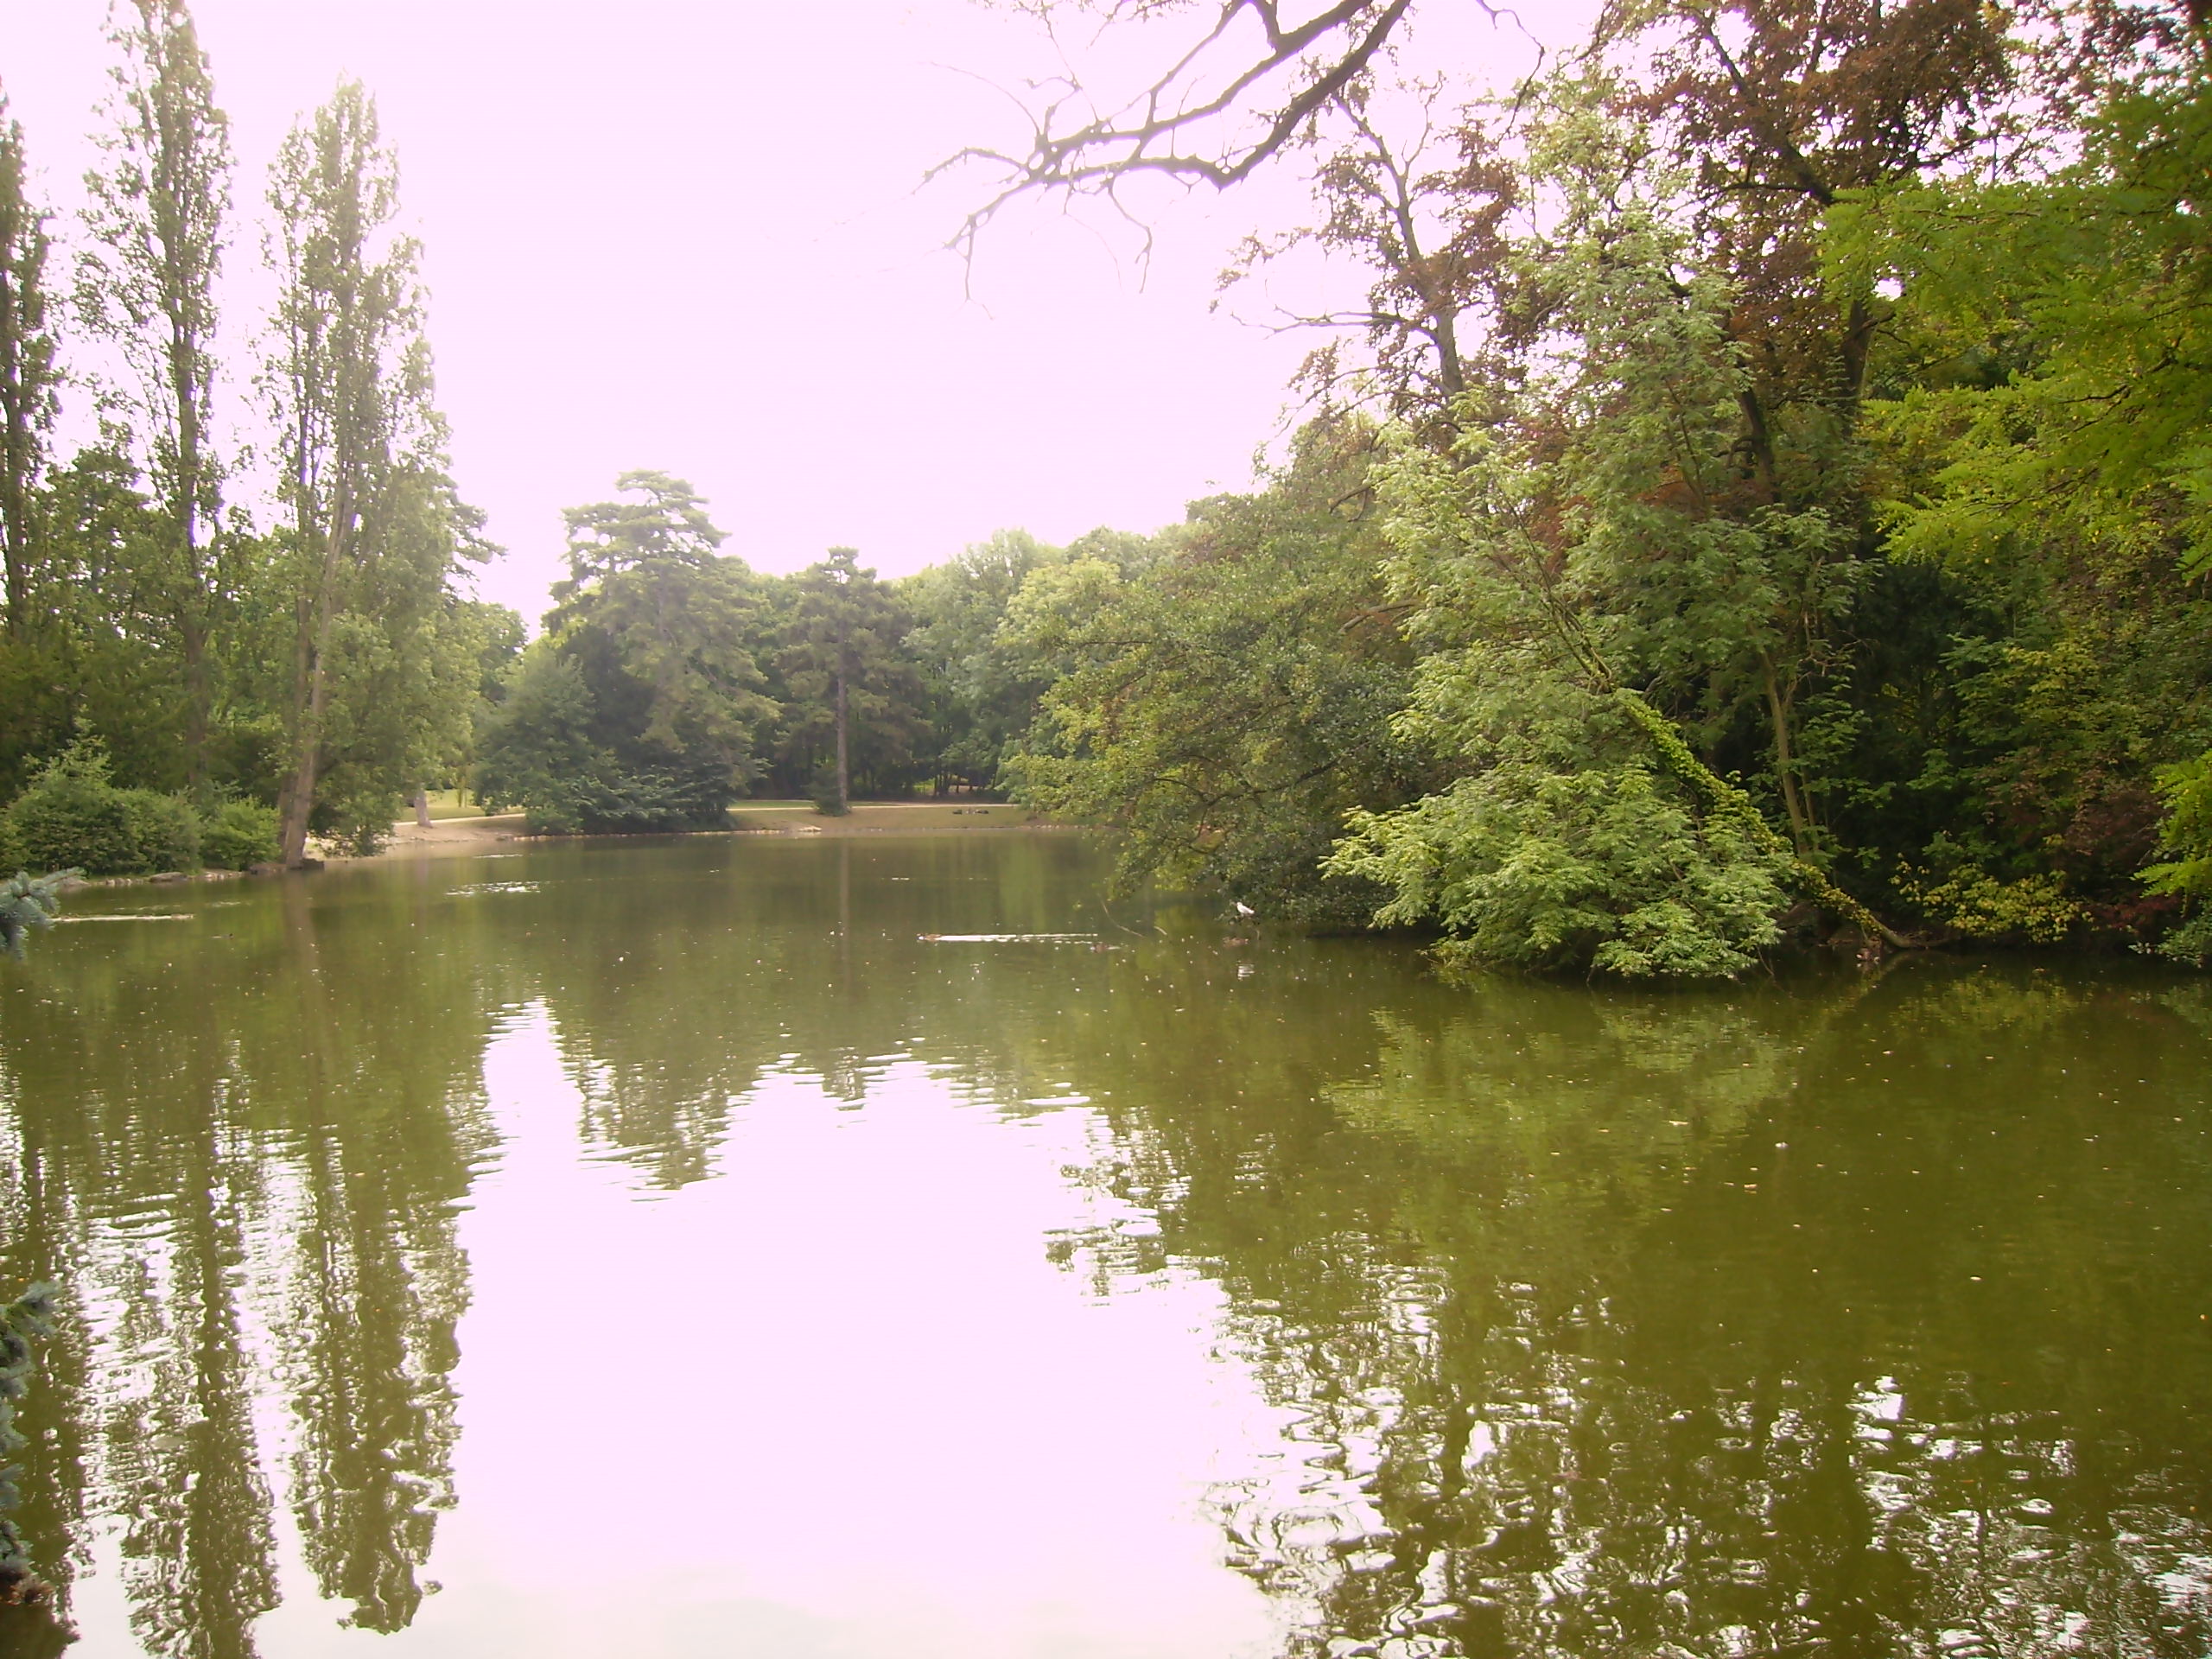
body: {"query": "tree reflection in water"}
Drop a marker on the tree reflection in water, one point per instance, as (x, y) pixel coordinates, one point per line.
(1776, 1324)
(1838, 1317)
(308, 1097)
(242, 1143)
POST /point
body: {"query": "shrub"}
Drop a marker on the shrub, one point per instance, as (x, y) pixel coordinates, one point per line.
(164, 830)
(72, 817)
(239, 835)
(1980, 907)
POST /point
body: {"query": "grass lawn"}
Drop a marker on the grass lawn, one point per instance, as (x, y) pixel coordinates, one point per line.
(447, 803)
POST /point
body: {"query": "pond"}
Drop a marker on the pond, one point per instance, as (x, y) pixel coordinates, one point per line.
(844, 1248)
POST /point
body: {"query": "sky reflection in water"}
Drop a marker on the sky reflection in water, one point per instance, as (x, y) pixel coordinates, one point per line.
(675, 1248)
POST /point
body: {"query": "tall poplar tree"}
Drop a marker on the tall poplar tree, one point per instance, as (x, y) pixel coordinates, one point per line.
(28, 376)
(373, 532)
(148, 283)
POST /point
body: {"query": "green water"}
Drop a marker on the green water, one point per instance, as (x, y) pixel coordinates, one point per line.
(675, 1250)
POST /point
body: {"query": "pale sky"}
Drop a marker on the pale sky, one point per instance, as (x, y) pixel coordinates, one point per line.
(685, 234)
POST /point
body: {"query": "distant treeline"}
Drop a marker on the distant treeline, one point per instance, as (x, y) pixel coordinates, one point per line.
(1763, 493)
(672, 680)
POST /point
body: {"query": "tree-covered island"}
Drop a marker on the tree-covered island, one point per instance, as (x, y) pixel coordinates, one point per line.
(1764, 492)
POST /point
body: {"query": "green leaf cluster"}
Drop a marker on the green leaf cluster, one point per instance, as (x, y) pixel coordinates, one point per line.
(28, 904)
(74, 817)
(1224, 704)
(30, 1316)
(238, 836)
(642, 707)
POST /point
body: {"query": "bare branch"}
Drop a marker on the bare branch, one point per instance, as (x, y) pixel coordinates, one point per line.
(1160, 131)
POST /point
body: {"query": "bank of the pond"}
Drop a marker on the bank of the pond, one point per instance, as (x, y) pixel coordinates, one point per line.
(473, 836)
(451, 836)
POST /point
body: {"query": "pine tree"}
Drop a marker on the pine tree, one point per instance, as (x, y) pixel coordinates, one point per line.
(30, 1315)
(27, 902)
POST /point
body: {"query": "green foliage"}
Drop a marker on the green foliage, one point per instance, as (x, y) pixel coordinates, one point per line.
(164, 829)
(1225, 702)
(980, 688)
(2186, 790)
(534, 746)
(2076, 313)
(30, 1316)
(238, 834)
(73, 816)
(385, 658)
(147, 280)
(1607, 541)
(2047, 433)
(539, 748)
(654, 721)
(852, 702)
(29, 903)
(1608, 868)
(1979, 906)
(30, 376)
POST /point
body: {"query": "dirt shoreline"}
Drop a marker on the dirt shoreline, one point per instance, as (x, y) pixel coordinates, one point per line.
(452, 837)
(461, 838)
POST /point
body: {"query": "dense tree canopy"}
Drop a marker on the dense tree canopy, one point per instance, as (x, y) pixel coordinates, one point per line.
(1796, 428)
(641, 706)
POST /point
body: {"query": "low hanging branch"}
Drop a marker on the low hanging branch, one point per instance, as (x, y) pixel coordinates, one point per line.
(26, 903)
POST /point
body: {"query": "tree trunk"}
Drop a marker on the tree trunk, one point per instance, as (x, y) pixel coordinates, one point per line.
(1785, 763)
(192, 623)
(198, 697)
(1719, 795)
(311, 694)
(422, 808)
(15, 525)
(844, 764)
(296, 800)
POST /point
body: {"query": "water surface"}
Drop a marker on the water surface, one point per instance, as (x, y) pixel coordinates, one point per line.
(886, 1247)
